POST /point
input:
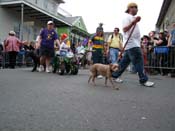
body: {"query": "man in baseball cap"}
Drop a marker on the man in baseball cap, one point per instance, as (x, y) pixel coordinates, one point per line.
(50, 22)
(131, 5)
(48, 36)
(132, 53)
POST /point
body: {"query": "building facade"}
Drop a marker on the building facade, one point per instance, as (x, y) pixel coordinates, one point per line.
(77, 32)
(167, 16)
(28, 17)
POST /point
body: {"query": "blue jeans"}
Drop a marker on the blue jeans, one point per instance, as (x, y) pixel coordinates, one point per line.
(113, 55)
(133, 55)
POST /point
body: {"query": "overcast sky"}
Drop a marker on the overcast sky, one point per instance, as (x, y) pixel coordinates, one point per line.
(110, 12)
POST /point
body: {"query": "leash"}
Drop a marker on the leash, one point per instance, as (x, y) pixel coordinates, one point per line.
(122, 51)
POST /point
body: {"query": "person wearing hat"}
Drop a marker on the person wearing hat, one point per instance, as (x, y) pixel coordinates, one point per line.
(132, 51)
(64, 48)
(97, 41)
(46, 44)
(12, 46)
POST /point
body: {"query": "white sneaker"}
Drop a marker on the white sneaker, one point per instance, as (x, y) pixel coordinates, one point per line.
(47, 70)
(99, 76)
(50, 68)
(118, 80)
(41, 68)
(148, 84)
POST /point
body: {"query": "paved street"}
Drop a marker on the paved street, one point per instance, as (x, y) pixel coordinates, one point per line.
(49, 102)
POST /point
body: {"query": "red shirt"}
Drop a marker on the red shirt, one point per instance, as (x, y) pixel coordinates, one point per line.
(12, 44)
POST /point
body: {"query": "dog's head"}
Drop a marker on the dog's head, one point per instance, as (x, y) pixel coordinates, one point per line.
(114, 67)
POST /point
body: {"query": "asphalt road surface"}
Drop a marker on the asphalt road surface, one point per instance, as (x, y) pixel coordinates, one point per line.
(50, 102)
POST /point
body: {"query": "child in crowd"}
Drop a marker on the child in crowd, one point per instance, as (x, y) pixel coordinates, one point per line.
(64, 48)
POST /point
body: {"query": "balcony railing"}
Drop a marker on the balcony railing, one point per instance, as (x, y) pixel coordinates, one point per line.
(47, 5)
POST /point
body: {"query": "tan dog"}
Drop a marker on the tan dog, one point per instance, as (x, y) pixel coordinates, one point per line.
(104, 70)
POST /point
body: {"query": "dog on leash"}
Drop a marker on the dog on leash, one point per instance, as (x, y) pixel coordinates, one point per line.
(104, 70)
(32, 52)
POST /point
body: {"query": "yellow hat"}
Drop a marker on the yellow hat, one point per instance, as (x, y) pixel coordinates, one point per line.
(131, 5)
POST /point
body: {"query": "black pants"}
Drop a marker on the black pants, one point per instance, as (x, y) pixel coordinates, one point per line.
(12, 59)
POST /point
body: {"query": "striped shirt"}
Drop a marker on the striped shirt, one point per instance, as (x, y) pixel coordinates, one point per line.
(98, 42)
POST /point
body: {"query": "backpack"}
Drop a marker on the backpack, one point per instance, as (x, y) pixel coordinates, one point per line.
(120, 37)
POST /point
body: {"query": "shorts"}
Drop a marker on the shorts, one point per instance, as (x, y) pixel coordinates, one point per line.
(48, 52)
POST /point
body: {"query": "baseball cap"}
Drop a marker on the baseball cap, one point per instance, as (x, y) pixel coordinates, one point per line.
(132, 4)
(50, 22)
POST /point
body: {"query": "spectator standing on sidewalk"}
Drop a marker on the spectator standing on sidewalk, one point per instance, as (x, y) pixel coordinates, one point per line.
(133, 51)
(46, 44)
(171, 44)
(162, 41)
(12, 47)
(171, 40)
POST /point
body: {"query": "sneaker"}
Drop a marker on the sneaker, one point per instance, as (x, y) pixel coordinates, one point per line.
(41, 68)
(99, 76)
(118, 80)
(50, 68)
(47, 70)
(148, 84)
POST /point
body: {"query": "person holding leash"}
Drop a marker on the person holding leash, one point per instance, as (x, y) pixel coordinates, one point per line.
(132, 49)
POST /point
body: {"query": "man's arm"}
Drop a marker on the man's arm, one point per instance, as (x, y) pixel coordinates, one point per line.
(5, 42)
(109, 43)
(39, 42)
(127, 28)
(57, 42)
(158, 42)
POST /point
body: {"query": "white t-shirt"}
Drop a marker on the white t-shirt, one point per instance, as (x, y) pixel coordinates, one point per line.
(63, 46)
(135, 39)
